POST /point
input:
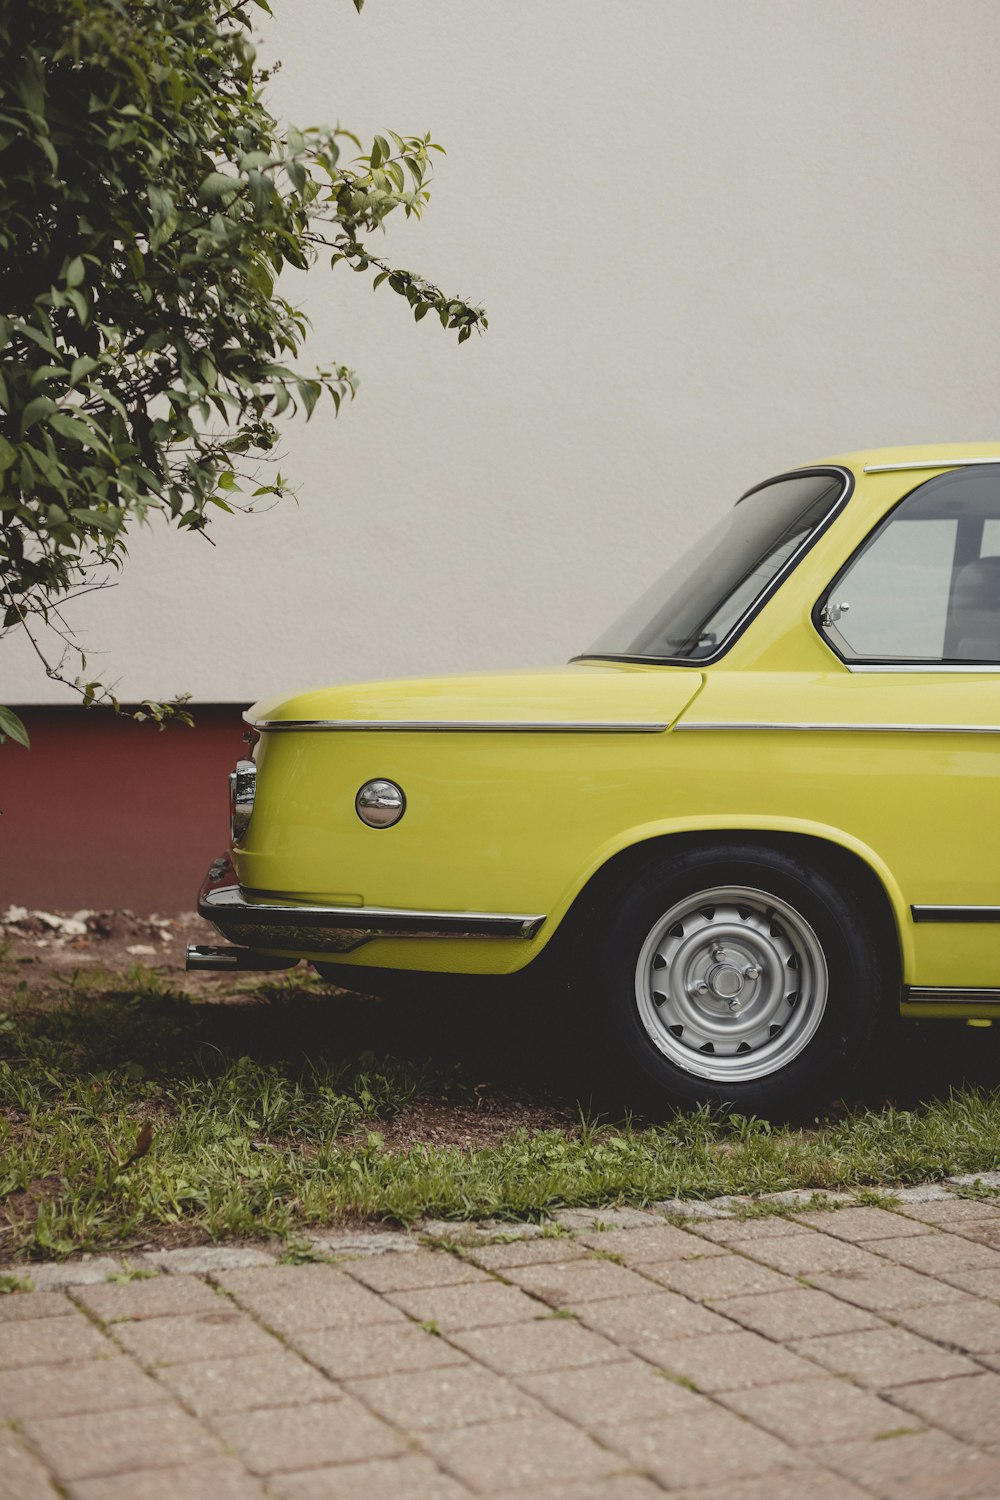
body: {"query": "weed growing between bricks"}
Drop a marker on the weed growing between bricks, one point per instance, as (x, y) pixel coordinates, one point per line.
(271, 1115)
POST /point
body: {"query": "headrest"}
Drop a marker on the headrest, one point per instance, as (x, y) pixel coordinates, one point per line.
(977, 585)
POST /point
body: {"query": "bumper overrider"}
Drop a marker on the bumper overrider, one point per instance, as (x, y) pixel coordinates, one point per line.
(254, 922)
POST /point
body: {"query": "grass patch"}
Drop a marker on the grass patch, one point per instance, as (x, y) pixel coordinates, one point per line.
(681, 1380)
(11, 1284)
(264, 1122)
(979, 1191)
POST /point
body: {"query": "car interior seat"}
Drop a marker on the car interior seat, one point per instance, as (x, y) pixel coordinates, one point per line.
(975, 621)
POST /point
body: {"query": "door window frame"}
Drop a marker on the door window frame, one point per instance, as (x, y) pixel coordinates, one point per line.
(968, 541)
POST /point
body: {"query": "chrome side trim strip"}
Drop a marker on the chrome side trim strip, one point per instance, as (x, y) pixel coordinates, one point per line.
(955, 913)
(923, 995)
(454, 726)
(929, 463)
(845, 728)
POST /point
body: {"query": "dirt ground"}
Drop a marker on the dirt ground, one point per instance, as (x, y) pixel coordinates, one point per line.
(59, 942)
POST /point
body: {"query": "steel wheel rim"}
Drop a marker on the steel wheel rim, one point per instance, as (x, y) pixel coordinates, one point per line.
(731, 983)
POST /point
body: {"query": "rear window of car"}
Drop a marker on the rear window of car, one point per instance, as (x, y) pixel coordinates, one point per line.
(711, 591)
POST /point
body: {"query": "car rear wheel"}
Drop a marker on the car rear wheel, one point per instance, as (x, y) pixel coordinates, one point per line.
(738, 975)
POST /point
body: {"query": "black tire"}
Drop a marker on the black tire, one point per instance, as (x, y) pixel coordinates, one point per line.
(816, 918)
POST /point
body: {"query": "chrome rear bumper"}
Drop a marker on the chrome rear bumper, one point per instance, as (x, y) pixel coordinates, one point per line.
(253, 921)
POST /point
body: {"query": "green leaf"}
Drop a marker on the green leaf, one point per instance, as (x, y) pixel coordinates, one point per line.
(75, 271)
(160, 202)
(11, 728)
(309, 391)
(40, 336)
(80, 367)
(79, 303)
(105, 521)
(40, 407)
(77, 430)
(217, 185)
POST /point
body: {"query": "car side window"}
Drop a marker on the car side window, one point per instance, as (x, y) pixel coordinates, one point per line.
(924, 588)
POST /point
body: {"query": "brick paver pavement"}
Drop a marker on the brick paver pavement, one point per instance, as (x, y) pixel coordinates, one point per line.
(818, 1355)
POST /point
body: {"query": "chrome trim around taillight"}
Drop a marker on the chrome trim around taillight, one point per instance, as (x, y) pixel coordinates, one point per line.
(242, 790)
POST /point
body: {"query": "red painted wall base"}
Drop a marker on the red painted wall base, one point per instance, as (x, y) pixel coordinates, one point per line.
(103, 812)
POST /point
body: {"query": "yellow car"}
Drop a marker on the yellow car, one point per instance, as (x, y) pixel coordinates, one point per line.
(755, 818)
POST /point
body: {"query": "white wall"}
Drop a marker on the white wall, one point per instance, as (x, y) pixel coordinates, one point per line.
(715, 238)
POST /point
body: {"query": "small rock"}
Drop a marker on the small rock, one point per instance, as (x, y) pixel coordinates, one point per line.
(608, 1218)
(378, 1242)
(139, 948)
(970, 1179)
(460, 1232)
(922, 1192)
(691, 1208)
(66, 926)
(199, 1259)
(525, 1230)
(806, 1197)
(53, 1274)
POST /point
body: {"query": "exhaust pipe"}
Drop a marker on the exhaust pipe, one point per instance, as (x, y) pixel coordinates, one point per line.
(205, 956)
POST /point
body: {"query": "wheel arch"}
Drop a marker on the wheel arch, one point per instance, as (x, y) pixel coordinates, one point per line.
(834, 852)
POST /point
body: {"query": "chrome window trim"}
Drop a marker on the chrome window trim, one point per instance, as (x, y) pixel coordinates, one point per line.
(929, 463)
(844, 728)
(958, 995)
(955, 913)
(454, 726)
(930, 668)
(766, 594)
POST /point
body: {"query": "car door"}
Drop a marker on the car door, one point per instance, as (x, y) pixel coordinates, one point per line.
(914, 616)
